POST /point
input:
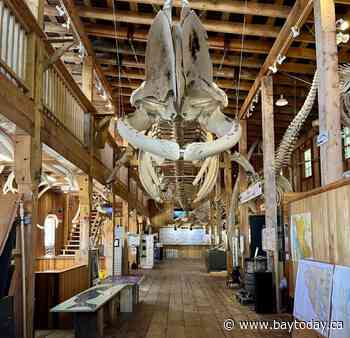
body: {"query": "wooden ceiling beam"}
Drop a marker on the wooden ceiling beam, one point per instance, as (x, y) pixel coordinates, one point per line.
(234, 61)
(218, 26)
(224, 72)
(219, 43)
(227, 6)
(245, 86)
(298, 15)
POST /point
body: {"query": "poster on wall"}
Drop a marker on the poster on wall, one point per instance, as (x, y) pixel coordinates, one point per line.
(170, 236)
(268, 239)
(313, 293)
(301, 236)
(341, 302)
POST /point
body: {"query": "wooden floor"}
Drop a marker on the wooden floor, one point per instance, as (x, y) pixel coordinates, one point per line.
(179, 299)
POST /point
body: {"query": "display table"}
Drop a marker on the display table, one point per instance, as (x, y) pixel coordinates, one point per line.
(90, 306)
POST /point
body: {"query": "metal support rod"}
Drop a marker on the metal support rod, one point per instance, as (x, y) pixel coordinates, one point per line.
(23, 255)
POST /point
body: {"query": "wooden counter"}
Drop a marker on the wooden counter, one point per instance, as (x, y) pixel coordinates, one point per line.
(56, 263)
(188, 251)
(54, 286)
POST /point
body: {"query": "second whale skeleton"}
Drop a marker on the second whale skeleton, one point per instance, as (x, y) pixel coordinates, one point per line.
(290, 137)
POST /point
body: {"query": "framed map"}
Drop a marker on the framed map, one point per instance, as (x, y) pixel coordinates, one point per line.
(313, 292)
(301, 236)
(341, 301)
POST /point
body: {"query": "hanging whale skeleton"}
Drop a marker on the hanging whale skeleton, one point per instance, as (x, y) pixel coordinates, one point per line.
(179, 85)
(178, 89)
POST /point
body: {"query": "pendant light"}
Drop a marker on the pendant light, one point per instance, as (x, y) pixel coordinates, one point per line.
(281, 102)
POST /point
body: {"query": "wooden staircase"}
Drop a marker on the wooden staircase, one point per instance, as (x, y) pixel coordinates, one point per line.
(73, 243)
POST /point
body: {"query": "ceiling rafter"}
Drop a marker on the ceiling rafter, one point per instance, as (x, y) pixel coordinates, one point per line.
(227, 6)
(218, 26)
(298, 15)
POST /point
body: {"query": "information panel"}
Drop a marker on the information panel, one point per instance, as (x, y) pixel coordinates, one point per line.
(170, 236)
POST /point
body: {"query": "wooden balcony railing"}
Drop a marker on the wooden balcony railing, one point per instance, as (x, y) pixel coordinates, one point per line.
(13, 46)
(61, 97)
(22, 43)
(60, 100)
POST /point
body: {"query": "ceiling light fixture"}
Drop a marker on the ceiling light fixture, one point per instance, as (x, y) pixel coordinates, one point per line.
(342, 38)
(280, 58)
(281, 102)
(342, 24)
(295, 31)
(273, 68)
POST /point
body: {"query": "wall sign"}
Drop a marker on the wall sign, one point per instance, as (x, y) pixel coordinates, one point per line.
(322, 138)
(252, 192)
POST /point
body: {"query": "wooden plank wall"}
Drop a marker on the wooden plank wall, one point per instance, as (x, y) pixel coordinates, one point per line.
(51, 201)
(330, 218)
(300, 182)
(52, 264)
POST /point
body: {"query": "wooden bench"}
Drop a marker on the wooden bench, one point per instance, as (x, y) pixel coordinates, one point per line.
(90, 306)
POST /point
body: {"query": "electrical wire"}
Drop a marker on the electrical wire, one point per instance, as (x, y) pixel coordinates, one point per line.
(121, 111)
(221, 63)
(240, 63)
(135, 55)
(295, 78)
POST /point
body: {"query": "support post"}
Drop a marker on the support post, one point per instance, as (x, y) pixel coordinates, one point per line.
(88, 90)
(28, 161)
(133, 229)
(84, 219)
(228, 182)
(28, 172)
(328, 91)
(125, 215)
(243, 185)
(270, 191)
(218, 210)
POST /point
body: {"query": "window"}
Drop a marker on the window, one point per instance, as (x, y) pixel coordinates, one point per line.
(308, 163)
(346, 143)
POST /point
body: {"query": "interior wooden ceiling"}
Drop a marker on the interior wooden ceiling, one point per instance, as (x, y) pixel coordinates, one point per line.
(119, 47)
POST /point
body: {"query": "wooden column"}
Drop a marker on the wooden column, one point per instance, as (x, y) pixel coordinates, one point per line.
(108, 230)
(88, 77)
(218, 197)
(88, 90)
(328, 91)
(28, 161)
(132, 229)
(270, 191)
(228, 190)
(84, 219)
(66, 219)
(243, 185)
(125, 224)
(28, 173)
